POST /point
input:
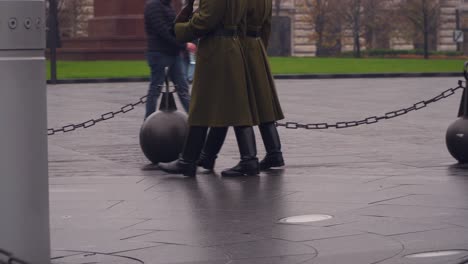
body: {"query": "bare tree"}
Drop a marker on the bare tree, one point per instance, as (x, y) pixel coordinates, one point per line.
(378, 25)
(352, 12)
(277, 7)
(424, 15)
(324, 16)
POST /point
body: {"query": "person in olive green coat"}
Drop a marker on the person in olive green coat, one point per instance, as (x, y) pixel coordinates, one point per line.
(221, 94)
(256, 34)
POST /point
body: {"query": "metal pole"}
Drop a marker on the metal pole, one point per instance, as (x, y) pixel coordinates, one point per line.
(24, 199)
(463, 109)
(53, 31)
(457, 17)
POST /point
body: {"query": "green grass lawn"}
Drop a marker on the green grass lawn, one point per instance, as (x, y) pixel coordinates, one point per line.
(280, 65)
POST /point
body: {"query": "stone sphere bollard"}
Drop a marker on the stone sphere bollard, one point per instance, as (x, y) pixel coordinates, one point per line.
(457, 133)
(457, 139)
(162, 135)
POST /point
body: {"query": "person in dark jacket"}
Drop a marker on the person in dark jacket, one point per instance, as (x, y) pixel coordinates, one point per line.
(163, 51)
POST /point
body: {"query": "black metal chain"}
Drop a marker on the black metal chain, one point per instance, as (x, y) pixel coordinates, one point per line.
(92, 122)
(288, 125)
(8, 258)
(110, 115)
(373, 119)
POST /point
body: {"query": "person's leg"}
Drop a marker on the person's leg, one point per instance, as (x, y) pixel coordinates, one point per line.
(187, 163)
(158, 63)
(272, 142)
(213, 144)
(179, 78)
(248, 152)
(184, 67)
(191, 68)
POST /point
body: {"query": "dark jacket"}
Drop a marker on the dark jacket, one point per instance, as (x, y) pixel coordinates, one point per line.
(159, 26)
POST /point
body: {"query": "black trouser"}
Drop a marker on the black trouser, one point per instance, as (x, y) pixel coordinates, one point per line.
(217, 135)
(245, 140)
(194, 143)
(270, 138)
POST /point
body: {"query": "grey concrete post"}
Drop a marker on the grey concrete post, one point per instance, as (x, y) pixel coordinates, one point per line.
(24, 199)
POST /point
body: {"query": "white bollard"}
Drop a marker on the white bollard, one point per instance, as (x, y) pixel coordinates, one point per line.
(24, 199)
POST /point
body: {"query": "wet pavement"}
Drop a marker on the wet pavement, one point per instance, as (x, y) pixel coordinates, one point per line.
(391, 188)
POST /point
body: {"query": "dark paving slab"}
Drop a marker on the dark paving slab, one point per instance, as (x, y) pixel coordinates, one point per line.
(366, 248)
(392, 188)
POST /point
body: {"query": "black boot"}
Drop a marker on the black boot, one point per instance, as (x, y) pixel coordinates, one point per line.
(213, 144)
(248, 151)
(187, 163)
(271, 140)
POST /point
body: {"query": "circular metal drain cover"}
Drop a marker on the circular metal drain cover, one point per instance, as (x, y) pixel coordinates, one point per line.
(436, 254)
(301, 219)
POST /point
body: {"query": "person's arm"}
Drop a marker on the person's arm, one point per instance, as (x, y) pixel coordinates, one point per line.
(208, 17)
(266, 29)
(186, 13)
(163, 25)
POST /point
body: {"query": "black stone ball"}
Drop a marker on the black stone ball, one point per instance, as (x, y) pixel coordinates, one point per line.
(162, 135)
(457, 140)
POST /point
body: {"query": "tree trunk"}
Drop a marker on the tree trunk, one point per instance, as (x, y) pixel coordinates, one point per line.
(357, 45)
(357, 27)
(277, 7)
(319, 44)
(426, 30)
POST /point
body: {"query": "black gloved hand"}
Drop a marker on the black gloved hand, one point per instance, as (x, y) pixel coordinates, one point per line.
(186, 12)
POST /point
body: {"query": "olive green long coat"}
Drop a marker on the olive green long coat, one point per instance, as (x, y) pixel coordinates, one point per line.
(221, 95)
(259, 14)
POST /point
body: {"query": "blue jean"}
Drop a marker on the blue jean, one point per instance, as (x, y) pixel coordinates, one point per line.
(158, 62)
(190, 72)
(191, 67)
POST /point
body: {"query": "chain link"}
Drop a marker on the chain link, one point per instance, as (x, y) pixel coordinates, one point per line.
(373, 119)
(8, 258)
(69, 128)
(289, 125)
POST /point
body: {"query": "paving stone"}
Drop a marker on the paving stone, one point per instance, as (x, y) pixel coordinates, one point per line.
(393, 226)
(268, 248)
(200, 238)
(179, 254)
(366, 248)
(96, 240)
(442, 239)
(300, 233)
(275, 260)
(94, 258)
(409, 211)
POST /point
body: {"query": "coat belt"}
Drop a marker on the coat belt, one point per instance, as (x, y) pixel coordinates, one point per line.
(253, 33)
(223, 33)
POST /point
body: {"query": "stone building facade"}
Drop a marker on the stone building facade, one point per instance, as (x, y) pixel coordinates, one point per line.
(74, 16)
(293, 29)
(301, 28)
